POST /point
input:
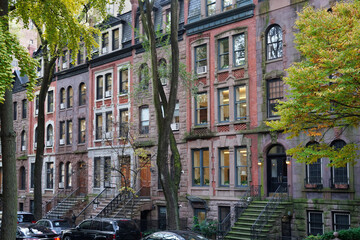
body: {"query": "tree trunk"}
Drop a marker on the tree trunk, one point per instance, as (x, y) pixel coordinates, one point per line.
(48, 75)
(8, 136)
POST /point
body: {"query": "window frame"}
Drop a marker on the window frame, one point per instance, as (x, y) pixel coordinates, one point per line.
(123, 124)
(238, 167)
(69, 132)
(108, 85)
(223, 106)
(123, 85)
(239, 102)
(114, 41)
(197, 121)
(335, 228)
(227, 7)
(240, 50)
(108, 122)
(82, 133)
(338, 144)
(62, 132)
(14, 111)
(62, 97)
(223, 167)
(207, 4)
(144, 129)
(98, 126)
(82, 94)
(269, 99)
(70, 97)
(99, 87)
(105, 42)
(278, 42)
(49, 135)
(61, 173)
(197, 61)
(22, 178)
(97, 172)
(311, 168)
(309, 222)
(201, 167)
(50, 175)
(223, 54)
(50, 101)
(37, 104)
(24, 108)
(23, 141)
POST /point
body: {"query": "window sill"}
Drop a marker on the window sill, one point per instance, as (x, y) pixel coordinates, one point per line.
(274, 60)
(201, 75)
(201, 126)
(273, 118)
(123, 94)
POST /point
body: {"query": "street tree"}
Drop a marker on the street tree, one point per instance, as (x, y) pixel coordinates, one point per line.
(167, 158)
(324, 87)
(10, 48)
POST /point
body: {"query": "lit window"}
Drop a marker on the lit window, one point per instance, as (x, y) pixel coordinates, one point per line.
(124, 122)
(49, 175)
(70, 98)
(224, 165)
(69, 129)
(105, 43)
(200, 164)
(115, 38)
(274, 44)
(82, 94)
(98, 126)
(201, 59)
(82, 130)
(144, 120)
(99, 87)
(201, 107)
(224, 105)
(241, 167)
(50, 101)
(124, 80)
(240, 102)
(108, 85)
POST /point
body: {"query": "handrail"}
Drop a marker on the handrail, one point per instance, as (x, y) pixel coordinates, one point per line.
(64, 200)
(52, 200)
(136, 194)
(109, 207)
(268, 210)
(88, 205)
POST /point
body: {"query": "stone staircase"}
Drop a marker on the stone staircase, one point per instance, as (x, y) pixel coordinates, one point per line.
(61, 209)
(93, 211)
(125, 210)
(242, 228)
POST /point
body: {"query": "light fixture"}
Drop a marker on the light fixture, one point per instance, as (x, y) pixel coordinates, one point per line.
(96, 203)
(259, 162)
(288, 160)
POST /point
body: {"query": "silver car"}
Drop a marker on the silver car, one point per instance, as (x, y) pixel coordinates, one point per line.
(57, 225)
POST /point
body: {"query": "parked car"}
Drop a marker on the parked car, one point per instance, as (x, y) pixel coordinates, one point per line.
(58, 225)
(35, 232)
(25, 218)
(175, 235)
(103, 228)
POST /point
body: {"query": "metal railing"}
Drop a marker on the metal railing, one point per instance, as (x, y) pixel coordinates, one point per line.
(253, 192)
(53, 201)
(313, 183)
(112, 205)
(95, 200)
(339, 183)
(72, 194)
(133, 196)
(280, 195)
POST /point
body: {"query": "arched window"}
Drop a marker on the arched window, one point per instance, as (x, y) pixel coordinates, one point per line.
(274, 42)
(339, 175)
(144, 76)
(162, 69)
(62, 98)
(68, 173)
(82, 94)
(70, 95)
(23, 140)
(61, 175)
(313, 171)
(49, 135)
(22, 178)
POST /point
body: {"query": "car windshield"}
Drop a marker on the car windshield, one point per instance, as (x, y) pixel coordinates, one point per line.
(25, 218)
(61, 224)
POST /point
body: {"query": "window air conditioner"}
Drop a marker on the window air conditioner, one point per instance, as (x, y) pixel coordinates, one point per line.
(107, 94)
(61, 184)
(108, 135)
(62, 141)
(201, 70)
(104, 50)
(62, 105)
(48, 143)
(64, 65)
(175, 126)
(36, 111)
(38, 74)
(23, 148)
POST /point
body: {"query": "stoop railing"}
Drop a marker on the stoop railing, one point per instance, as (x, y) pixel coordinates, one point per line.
(280, 195)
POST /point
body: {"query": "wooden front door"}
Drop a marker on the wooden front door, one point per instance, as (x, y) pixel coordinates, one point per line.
(145, 180)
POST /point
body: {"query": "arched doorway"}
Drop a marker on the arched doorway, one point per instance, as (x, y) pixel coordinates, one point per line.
(276, 167)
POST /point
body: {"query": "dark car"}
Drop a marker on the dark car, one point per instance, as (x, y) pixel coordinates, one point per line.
(25, 218)
(103, 229)
(175, 235)
(58, 225)
(35, 232)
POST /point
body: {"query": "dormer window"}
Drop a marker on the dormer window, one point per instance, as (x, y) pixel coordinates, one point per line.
(105, 43)
(64, 60)
(210, 7)
(115, 39)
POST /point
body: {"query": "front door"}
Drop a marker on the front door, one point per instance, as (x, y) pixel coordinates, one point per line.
(277, 168)
(145, 180)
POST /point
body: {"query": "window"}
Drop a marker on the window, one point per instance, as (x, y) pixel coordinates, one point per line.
(49, 135)
(99, 87)
(315, 223)
(224, 165)
(61, 175)
(50, 101)
(108, 85)
(68, 172)
(115, 39)
(162, 218)
(144, 77)
(123, 80)
(341, 221)
(69, 129)
(105, 43)
(107, 171)
(176, 120)
(62, 98)
(82, 130)
(275, 93)
(64, 60)
(70, 95)
(313, 171)
(62, 133)
(108, 124)
(15, 110)
(274, 43)
(144, 120)
(24, 108)
(124, 123)
(97, 172)
(168, 20)
(98, 126)
(239, 50)
(200, 213)
(162, 71)
(23, 141)
(339, 175)
(82, 94)
(201, 59)
(240, 102)
(210, 7)
(81, 55)
(224, 211)
(241, 167)
(201, 106)
(36, 104)
(32, 175)
(200, 164)
(22, 180)
(224, 115)
(35, 137)
(223, 57)
(226, 5)
(49, 175)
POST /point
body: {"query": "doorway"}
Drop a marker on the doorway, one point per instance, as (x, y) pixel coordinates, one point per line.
(276, 168)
